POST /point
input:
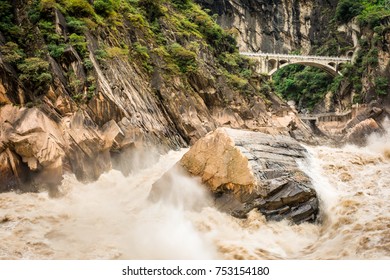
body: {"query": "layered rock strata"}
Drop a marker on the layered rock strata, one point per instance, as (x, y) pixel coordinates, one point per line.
(246, 170)
(36, 151)
(274, 26)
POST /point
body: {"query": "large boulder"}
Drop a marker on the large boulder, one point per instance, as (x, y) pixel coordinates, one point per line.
(246, 170)
(220, 164)
(358, 134)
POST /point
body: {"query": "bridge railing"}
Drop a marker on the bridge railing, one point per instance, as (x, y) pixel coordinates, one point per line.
(307, 57)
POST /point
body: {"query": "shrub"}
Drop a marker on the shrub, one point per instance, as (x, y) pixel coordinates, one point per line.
(100, 55)
(76, 25)
(47, 4)
(381, 85)
(305, 85)
(11, 52)
(137, 20)
(265, 88)
(182, 4)
(56, 51)
(46, 27)
(7, 27)
(228, 60)
(79, 43)
(103, 7)
(185, 59)
(78, 7)
(236, 81)
(371, 58)
(142, 51)
(152, 9)
(348, 9)
(117, 52)
(88, 64)
(246, 73)
(34, 70)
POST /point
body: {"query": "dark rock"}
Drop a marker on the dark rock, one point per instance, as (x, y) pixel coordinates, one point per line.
(12, 171)
(248, 171)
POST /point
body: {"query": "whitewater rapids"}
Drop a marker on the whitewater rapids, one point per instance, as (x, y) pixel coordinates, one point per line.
(113, 219)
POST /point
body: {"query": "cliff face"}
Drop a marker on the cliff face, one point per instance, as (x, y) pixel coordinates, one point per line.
(278, 26)
(81, 92)
(311, 26)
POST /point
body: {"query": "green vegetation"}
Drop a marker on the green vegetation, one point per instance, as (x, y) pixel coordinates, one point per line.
(348, 9)
(35, 71)
(7, 26)
(373, 19)
(11, 52)
(169, 36)
(381, 85)
(105, 7)
(368, 12)
(374, 12)
(78, 8)
(305, 85)
(185, 59)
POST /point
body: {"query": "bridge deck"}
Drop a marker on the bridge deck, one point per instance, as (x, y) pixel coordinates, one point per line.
(303, 57)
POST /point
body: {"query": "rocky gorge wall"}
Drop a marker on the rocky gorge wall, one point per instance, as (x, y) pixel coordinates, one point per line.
(285, 26)
(91, 117)
(279, 26)
(126, 85)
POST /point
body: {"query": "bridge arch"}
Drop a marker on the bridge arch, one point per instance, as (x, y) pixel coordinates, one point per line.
(331, 68)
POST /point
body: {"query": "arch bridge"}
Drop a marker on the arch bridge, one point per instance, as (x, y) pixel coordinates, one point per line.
(270, 63)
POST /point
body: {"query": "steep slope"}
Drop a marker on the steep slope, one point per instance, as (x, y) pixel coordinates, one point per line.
(83, 84)
(336, 28)
(279, 26)
(359, 29)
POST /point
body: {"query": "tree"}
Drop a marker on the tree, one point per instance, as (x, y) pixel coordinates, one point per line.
(348, 9)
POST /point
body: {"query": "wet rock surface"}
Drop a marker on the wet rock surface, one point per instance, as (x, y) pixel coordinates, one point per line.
(250, 170)
(358, 134)
(36, 151)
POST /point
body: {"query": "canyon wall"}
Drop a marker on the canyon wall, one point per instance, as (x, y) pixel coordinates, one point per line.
(66, 107)
(279, 26)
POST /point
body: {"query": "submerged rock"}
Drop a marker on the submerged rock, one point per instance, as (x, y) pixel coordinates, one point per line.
(250, 170)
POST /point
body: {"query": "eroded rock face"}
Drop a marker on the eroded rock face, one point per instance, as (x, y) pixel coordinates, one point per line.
(250, 170)
(12, 171)
(274, 26)
(358, 134)
(34, 143)
(90, 118)
(35, 151)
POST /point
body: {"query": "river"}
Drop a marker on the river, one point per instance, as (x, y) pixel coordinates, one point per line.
(113, 218)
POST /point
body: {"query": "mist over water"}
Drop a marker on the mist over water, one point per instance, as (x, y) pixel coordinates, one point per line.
(114, 219)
